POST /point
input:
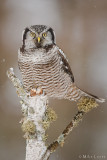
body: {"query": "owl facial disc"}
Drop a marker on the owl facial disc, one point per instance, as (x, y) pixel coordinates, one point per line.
(38, 36)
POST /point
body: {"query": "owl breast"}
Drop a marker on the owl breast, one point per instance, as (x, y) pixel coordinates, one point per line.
(43, 69)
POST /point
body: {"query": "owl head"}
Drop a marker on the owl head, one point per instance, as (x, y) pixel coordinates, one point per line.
(38, 36)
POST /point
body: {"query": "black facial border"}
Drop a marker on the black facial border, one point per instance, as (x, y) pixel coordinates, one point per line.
(52, 33)
(24, 35)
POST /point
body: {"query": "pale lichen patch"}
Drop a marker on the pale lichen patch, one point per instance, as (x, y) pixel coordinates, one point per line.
(49, 117)
(28, 127)
(86, 103)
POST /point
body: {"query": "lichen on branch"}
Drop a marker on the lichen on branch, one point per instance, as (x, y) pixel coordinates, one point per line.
(38, 117)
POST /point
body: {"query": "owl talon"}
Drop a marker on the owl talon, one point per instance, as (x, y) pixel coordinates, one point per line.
(39, 91)
(33, 92)
(36, 91)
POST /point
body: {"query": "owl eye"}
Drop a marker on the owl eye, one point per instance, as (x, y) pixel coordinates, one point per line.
(44, 34)
(33, 34)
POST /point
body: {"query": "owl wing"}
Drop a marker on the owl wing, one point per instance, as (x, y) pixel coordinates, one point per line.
(65, 65)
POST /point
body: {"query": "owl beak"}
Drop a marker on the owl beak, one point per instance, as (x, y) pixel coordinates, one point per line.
(38, 39)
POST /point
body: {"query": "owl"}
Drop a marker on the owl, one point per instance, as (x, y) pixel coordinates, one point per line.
(43, 64)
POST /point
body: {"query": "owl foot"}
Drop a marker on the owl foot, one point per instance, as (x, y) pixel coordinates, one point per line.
(36, 91)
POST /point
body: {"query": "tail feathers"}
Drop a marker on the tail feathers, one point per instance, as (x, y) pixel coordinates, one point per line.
(100, 100)
(75, 93)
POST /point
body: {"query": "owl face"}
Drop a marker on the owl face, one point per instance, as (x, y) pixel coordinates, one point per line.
(38, 36)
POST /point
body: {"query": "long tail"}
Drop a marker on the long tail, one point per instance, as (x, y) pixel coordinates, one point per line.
(84, 93)
(75, 93)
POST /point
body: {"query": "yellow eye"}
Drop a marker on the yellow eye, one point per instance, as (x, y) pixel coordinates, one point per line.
(32, 34)
(44, 34)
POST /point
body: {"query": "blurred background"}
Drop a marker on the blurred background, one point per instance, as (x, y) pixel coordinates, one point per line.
(81, 32)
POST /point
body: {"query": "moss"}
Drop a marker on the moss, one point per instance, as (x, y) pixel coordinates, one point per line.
(27, 135)
(49, 117)
(44, 138)
(24, 108)
(61, 140)
(31, 110)
(24, 111)
(86, 103)
(46, 124)
(28, 127)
